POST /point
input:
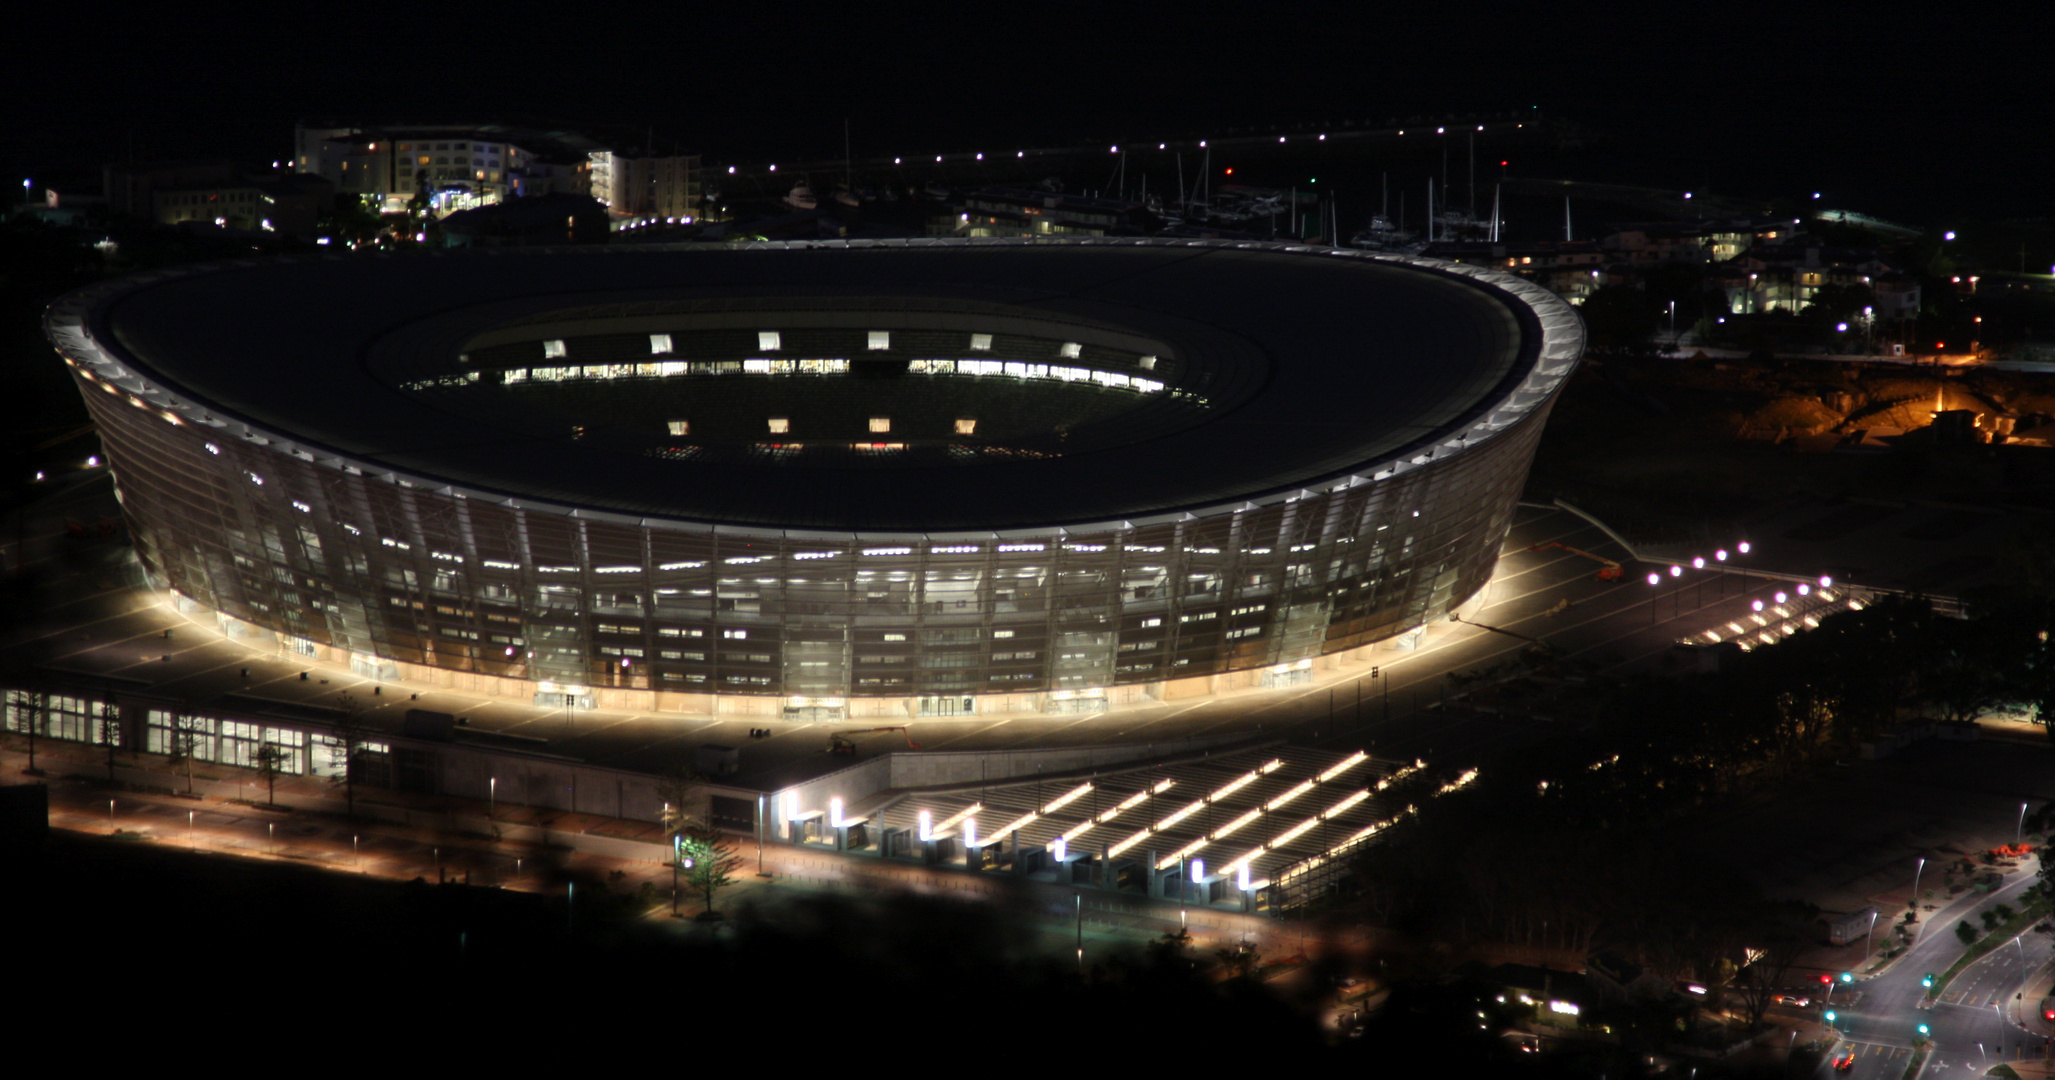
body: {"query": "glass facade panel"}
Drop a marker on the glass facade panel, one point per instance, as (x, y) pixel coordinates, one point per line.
(332, 554)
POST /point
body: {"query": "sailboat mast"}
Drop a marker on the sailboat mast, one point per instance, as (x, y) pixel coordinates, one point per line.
(1566, 219)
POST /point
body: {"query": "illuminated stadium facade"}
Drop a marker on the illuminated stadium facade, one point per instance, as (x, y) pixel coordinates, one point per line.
(921, 477)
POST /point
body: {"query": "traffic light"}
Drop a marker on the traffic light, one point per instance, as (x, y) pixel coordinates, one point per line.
(1827, 980)
(2048, 1014)
(1847, 977)
(1923, 1031)
(1831, 1015)
(1927, 981)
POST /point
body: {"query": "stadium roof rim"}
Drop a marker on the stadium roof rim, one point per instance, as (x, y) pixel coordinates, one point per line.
(68, 325)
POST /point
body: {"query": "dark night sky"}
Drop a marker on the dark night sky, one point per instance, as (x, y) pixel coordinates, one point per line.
(1914, 110)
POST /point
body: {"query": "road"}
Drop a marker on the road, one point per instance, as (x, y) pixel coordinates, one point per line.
(1967, 1025)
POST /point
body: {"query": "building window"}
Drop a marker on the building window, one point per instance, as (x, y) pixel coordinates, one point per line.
(780, 425)
(966, 426)
(553, 349)
(767, 340)
(681, 427)
(880, 340)
(981, 342)
(659, 344)
(881, 425)
(1072, 350)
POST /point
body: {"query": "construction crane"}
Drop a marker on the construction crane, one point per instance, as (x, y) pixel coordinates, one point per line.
(1608, 570)
(840, 743)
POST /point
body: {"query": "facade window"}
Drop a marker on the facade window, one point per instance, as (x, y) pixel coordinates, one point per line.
(966, 426)
(881, 425)
(767, 340)
(780, 425)
(981, 342)
(553, 349)
(659, 344)
(880, 340)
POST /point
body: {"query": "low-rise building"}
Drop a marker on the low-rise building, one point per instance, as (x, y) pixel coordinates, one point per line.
(647, 185)
(1018, 212)
(452, 167)
(292, 204)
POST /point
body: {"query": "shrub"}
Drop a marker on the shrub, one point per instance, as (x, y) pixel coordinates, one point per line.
(1966, 932)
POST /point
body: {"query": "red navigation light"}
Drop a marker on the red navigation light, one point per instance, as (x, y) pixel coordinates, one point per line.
(1230, 170)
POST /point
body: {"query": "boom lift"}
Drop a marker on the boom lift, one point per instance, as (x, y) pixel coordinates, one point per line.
(1538, 645)
(1608, 569)
(840, 743)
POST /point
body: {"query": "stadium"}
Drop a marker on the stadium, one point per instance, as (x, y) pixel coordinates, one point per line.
(823, 479)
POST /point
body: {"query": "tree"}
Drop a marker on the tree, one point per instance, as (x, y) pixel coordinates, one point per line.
(1838, 303)
(269, 759)
(108, 730)
(185, 742)
(1966, 932)
(350, 731)
(706, 859)
(1780, 929)
(685, 798)
(27, 708)
(1241, 961)
(1618, 319)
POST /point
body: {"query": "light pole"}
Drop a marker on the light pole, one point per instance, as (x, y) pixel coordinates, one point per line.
(1869, 939)
(491, 797)
(2019, 833)
(1080, 908)
(191, 845)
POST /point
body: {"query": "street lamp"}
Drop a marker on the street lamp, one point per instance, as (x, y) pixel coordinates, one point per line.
(1869, 939)
(2018, 833)
(492, 797)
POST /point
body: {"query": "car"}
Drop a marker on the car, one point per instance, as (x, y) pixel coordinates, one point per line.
(1793, 1001)
(1844, 1061)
